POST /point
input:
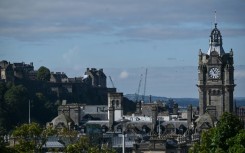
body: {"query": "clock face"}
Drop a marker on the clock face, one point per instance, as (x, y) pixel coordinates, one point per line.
(214, 73)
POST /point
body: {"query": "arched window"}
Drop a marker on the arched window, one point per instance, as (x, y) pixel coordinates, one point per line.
(218, 92)
(112, 103)
(117, 103)
(214, 92)
(104, 128)
(182, 129)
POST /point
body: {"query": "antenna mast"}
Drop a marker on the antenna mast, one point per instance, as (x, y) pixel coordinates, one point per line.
(215, 20)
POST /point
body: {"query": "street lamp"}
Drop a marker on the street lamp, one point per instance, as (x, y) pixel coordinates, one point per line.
(123, 121)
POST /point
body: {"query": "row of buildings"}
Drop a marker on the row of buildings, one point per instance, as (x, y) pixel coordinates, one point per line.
(152, 127)
(12, 71)
(81, 89)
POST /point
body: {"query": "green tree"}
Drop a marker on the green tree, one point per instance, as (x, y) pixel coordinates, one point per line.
(83, 145)
(237, 143)
(228, 135)
(43, 74)
(40, 105)
(3, 89)
(49, 131)
(228, 126)
(27, 136)
(16, 104)
(15, 96)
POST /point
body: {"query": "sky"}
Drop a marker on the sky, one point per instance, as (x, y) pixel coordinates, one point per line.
(124, 37)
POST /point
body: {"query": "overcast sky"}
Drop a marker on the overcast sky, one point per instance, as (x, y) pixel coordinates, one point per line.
(124, 37)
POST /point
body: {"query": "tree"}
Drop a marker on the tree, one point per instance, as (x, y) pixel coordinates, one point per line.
(27, 136)
(228, 126)
(16, 104)
(83, 145)
(43, 74)
(237, 143)
(228, 135)
(41, 104)
(3, 89)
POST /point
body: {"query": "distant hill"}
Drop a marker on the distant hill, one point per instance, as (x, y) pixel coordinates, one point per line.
(240, 101)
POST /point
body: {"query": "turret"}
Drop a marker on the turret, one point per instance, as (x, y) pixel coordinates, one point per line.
(215, 42)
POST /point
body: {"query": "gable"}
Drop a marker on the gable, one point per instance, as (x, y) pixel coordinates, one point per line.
(205, 125)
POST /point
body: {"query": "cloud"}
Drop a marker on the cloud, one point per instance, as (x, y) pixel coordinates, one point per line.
(239, 73)
(171, 59)
(123, 75)
(177, 81)
(70, 55)
(156, 19)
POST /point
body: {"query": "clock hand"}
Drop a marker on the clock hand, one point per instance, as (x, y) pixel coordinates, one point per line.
(215, 70)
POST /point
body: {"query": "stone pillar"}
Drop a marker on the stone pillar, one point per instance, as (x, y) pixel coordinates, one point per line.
(111, 118)
(202, 101)
(189, 115)
(138, 108)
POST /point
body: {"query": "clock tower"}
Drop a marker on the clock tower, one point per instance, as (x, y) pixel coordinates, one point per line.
(215, 77)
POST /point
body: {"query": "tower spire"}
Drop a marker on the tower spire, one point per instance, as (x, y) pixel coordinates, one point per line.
(215, 42)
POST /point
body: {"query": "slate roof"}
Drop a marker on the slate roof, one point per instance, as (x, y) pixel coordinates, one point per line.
(101, 123)
(53, 144)
(177, 124)
(205, 118)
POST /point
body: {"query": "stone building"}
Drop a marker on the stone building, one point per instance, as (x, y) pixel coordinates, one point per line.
(215, 77)
(58, 77)
(95, 77)
(7, 72)
(10, 71)
(61, 121)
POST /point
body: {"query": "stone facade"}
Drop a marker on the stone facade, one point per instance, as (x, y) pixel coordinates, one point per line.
(10, 71)
(215, 77)
(71, 110)
(95, 77)
(115, 100)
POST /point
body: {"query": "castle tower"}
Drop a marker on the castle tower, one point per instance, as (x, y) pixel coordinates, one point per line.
(215, 77)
